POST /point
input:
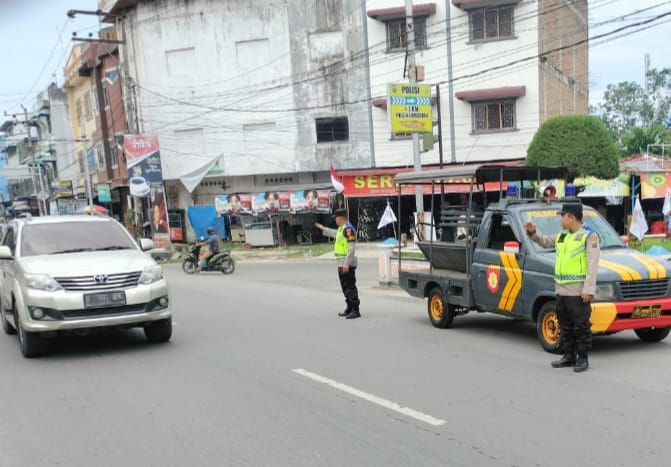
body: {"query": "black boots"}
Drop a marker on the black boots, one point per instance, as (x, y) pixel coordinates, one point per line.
(579, 365)
(345, 313)
(567, 360)
(582, 364)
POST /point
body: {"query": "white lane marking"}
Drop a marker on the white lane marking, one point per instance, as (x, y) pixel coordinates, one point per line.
(371, 398)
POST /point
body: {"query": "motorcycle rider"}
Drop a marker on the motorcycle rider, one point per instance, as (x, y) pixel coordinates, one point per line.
(212, 243)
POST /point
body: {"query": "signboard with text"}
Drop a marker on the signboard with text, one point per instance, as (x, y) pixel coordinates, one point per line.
(410, 108)
(145, 179)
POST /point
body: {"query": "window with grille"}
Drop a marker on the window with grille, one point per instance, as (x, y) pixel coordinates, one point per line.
(396, 33)
(101, 155)
(106, 96)
(87, 106)
(113, 153)
(332, 129)
(493, 116)
(491, 23)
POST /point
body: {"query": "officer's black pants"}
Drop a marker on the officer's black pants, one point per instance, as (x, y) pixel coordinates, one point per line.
(576, 330)
(349, 290)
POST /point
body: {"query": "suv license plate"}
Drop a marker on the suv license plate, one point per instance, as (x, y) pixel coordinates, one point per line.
(102, 300)
(647, 311)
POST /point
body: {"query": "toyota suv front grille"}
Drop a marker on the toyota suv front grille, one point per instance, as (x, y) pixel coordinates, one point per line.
(100, 282)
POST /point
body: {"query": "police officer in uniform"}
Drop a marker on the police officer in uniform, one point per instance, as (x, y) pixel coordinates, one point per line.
(576, 265)
(344, 249)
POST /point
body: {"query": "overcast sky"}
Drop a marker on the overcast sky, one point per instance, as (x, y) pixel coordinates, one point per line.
(34, 49)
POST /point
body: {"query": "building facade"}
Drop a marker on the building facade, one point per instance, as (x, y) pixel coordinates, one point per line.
(247, 95)
(514, 65)
(81, 106)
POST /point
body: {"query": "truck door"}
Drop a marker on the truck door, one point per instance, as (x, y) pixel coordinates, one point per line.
(497, 274)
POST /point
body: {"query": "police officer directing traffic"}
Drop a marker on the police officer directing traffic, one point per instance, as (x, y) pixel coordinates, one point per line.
(344, 248)
(576, 265)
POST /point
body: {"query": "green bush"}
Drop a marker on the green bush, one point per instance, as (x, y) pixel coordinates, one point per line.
(580, 143)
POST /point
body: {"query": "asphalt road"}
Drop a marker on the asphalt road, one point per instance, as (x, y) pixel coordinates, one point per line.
(261, 371)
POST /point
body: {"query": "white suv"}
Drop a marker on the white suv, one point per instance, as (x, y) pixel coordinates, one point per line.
(66, 273)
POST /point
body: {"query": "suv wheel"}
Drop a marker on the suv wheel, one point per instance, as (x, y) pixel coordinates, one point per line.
(547, 327)
(31, 344)
(653, 334)
(159, 331)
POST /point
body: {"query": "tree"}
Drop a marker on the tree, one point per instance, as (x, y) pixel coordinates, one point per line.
(640, 140)
(580, 143)
(627, 104)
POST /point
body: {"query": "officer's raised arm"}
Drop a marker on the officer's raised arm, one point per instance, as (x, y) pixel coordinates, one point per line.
(545, 241)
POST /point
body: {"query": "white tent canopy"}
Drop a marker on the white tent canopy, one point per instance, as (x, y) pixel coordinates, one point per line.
(189, 169)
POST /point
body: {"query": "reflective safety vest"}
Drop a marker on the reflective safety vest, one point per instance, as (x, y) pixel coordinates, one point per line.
(571, 260)
(341, 244)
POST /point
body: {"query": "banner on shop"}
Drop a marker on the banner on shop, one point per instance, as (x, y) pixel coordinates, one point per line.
(654, 185)
(145, 178)
(274, 202)
(380, 185)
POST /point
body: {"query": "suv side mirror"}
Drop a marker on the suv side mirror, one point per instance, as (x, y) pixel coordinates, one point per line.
(5, 252)
(146, 244)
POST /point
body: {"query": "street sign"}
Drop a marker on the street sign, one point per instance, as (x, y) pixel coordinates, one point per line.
(43, 196)
(410, 108)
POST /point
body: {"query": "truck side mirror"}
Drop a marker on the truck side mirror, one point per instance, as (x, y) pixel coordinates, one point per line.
(511, 247)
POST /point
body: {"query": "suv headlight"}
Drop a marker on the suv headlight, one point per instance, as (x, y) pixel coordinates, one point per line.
(604, 293)
(42, 282)
(150, 275)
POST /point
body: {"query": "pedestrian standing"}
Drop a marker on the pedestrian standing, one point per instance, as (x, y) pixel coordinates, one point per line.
(344, 248)
(576, 264)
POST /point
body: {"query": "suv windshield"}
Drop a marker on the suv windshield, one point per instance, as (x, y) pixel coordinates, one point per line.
(73, 237)
(548, 222)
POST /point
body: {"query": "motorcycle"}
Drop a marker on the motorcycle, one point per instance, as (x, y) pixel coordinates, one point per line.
(222, 261)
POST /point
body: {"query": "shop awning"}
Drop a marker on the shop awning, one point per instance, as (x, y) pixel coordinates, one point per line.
(491, 93)
(596, 188)
(385, 14)
(471, 4)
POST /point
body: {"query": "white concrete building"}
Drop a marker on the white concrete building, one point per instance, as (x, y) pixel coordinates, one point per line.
(255, 95)
(506, 78)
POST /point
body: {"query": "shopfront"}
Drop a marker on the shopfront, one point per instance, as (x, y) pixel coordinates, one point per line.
(368, 191)
(276, 218)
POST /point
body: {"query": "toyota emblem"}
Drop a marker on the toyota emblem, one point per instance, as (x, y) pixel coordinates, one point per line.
(100, 278)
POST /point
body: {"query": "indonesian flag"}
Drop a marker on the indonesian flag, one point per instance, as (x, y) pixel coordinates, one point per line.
(337, 184)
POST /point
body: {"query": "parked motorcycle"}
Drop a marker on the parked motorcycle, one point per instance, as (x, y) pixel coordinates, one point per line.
(222, 261)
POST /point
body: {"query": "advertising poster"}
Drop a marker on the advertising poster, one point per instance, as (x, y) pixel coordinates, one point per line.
(233, 204)
(145, 178)
(304, 200)
(271, 202)
(318, 201)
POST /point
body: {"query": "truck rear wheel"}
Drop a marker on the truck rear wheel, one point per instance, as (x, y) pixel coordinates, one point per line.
(652, 334)
(547, 327)
(441, 314)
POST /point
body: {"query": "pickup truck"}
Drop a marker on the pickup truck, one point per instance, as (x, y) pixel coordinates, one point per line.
(497, 268)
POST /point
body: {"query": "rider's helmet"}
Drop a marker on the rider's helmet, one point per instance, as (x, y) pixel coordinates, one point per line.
(210, 231)
(202, 239)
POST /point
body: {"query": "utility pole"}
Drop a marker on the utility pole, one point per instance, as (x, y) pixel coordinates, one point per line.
(39, 192)
(450, 84)
(412, 75)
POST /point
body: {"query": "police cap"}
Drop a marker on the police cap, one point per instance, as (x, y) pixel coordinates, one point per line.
(572, 208)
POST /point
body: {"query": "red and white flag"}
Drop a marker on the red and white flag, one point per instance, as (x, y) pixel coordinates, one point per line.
(335, 180)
